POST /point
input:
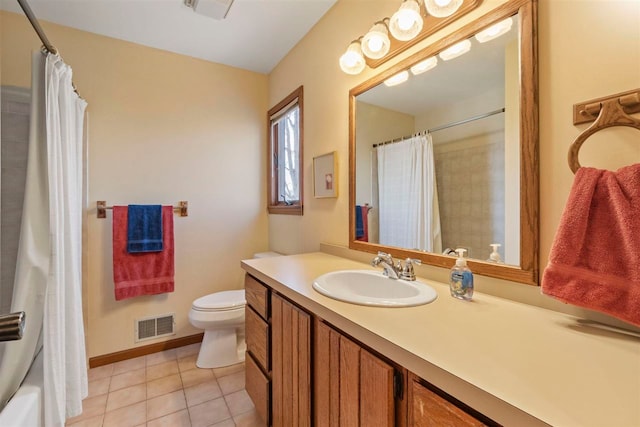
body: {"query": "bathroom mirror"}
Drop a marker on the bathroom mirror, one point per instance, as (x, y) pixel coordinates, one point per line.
(449, 158)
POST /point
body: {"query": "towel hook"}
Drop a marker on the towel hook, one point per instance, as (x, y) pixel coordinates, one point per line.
(611, 114)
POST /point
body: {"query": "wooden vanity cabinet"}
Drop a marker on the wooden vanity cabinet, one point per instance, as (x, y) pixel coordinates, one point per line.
(278, 360)
(353, 387)
(287, 348)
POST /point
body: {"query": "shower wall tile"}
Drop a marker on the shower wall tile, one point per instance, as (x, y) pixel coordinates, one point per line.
(13, 151)
(470, 180)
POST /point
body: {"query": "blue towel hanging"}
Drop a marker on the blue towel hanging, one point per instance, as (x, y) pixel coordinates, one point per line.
(359, 222)
(144, 228)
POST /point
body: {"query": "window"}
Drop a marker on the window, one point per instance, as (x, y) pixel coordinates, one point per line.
(285, 155)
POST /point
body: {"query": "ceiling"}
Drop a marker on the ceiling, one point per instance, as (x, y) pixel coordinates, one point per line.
(255, 35)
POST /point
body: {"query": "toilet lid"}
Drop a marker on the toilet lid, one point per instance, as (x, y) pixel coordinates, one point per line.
(225, 300)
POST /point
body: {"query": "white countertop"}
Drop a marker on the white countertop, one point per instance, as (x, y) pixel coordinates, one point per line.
(518, 364)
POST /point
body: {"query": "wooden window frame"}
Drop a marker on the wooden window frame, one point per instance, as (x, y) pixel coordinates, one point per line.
(274, 205)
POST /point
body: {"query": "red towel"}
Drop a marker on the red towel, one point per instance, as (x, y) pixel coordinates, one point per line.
(595, 257)
(145, 273)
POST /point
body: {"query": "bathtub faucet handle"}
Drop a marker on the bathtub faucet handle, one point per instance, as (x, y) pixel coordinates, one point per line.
(12, 326)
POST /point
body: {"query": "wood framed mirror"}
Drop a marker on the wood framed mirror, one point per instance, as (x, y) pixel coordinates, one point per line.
(474, 119)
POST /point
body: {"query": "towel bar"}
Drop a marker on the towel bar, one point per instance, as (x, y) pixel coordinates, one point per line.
(101, 208)
(588, 111)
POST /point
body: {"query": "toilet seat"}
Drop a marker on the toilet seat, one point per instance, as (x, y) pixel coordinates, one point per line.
(221, 301)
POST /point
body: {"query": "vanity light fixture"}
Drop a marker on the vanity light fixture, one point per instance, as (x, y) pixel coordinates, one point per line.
(412, 22)
(456, 50)
(376, 43)
(352, 61)
(406, 23)
(495, 31)
(401, 77)
(442, 8)
(424, 66)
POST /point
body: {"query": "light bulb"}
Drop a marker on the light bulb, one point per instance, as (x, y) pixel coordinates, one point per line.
(406, 23)
(376, 43)
(424, 66)
(352, 61)
(494, 31)
(442, 8)
(456, 50)
(401, 77)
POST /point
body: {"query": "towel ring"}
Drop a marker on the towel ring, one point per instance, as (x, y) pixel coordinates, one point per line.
(611, 114)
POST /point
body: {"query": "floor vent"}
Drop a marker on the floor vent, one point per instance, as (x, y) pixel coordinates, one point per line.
(155, 327)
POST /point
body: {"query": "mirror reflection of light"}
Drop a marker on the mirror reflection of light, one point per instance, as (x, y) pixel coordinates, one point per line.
(406, 23)
(495, 31)
(401, 77)
(424, 66)
(352, 61)
(456, 50)
(376, 43)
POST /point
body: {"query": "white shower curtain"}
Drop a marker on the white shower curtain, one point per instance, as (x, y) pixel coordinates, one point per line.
(65, 367)
(408, 196)
(47, 284)
(32, 262)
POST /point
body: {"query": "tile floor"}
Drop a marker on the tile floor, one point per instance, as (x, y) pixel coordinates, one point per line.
(166, 389)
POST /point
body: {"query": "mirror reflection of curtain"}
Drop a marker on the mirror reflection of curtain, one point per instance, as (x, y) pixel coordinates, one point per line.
(407, 195)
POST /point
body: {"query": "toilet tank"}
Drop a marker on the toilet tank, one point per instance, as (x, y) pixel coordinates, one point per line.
(266, 254)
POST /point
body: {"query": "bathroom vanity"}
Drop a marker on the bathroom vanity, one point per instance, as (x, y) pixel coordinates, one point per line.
(313, 360)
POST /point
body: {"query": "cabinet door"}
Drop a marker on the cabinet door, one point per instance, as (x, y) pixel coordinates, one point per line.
(291, 364)
(352, 387)
(376, 391)
(326, 377)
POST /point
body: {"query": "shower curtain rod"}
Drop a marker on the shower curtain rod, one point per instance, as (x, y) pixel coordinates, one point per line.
(46, 44)
(36, 26)
(442, 127)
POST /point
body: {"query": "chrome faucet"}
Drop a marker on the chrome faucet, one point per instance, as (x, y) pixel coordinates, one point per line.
(395, 271)
(386, 260)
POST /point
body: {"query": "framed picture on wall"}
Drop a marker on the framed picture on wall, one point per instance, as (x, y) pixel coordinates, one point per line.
(325, 179)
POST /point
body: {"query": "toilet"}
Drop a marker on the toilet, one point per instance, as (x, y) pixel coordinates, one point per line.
(221, 315)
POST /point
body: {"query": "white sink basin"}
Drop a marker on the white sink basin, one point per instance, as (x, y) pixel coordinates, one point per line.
(369, 287)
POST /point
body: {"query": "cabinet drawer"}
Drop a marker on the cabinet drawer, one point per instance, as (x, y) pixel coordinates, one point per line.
(257, 333)
(257, 296)
(430, 410)
(257, 386)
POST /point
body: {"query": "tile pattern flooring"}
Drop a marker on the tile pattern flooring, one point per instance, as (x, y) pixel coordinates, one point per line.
(166, 389)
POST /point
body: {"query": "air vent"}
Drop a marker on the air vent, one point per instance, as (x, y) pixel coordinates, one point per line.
(216, 9)
(154, 327)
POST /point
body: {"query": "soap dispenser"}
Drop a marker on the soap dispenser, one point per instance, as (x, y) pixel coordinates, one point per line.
(461, 279)
(495, 255)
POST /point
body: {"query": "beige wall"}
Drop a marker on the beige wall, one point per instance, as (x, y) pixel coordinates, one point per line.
(162, 128)
(587, 49)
